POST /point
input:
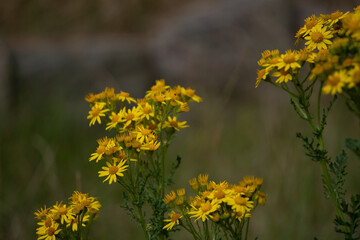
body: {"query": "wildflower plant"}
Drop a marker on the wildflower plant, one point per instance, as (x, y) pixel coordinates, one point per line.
(217, 211)
(68, 221)
(134, 152)
(328, 64)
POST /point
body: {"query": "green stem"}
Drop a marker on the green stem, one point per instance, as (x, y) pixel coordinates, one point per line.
(247, 228)
(142, 222)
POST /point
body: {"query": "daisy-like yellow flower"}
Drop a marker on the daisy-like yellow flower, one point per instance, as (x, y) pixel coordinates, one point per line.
(204, 211)
(190, 93)
(310, 23)
(335, 82)
(288, 61)
(260, 197)
(130, 115)
(144, 134)
(112, 171)
(240, 204)
(97, 112)
(351, 24)
(194, 184)
(335, 17)
(261, 75)
(169, 198)
(115, 119)
(318, 38)
(125, 97)
(282, 75)
(41, 213)
(151, 145)
(49, 233)
(146, 111)
(174, 219)
(60, 210)
(174, 123)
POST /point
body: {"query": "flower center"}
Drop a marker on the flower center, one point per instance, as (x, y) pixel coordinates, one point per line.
(240, 201)
(95, 112)
(206, 207)
(130, 116)
(147, 110)
(115, 118)
(310, 24)
(100, 149)
(317, 37)
(175, 217)
(113, 170)
(333, 80)
(50, 231)
(289, 58)
(47, 222)
(145, 132)
(62, 210)
(219, 194)
(174, 124)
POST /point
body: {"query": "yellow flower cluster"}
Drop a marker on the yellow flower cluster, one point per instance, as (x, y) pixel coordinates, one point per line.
(141, 125)
(332, 46)
(62, 220)
(222, 203)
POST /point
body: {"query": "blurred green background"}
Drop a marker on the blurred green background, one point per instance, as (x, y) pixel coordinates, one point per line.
(53, 53)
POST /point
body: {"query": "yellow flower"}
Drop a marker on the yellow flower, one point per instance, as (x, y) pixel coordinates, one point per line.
(111, 171)
(49, 233)
(240, 204)
(204, 211)
(173, 123)
(319, 38)
(335, 82)
(260, 197)
(169, 198)
(146, 111)
(288, 60)
(41, 213)
(96, 112)
(61, 211)
(310, 23)
(190, 93)
(282, 75)
(174, 219)
(124, 96)
(261, 75)
(144, 134)
(151, 146)
(115, 119)
(129, 115)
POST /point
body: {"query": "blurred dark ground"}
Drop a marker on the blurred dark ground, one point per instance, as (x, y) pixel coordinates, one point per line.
(52, 53)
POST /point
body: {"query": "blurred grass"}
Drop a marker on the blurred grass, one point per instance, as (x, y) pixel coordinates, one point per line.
(45, 144)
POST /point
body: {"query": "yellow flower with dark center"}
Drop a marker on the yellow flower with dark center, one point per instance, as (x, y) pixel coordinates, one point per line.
(97, 112)
(319, 38)
(204, 211)
(335, 82)
(240, 204)
(282, 75)
(49, 233)
(63, 212)
(174, 123)
(174, 219)
(115, 119)
(288, 61)
(113, 170)
(310, 23)
(129, 116)
(147, 111)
